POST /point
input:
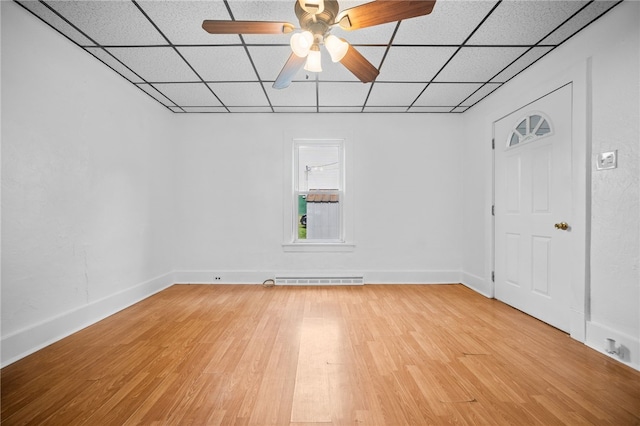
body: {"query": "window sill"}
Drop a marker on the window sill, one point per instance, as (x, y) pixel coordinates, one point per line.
(318, 247)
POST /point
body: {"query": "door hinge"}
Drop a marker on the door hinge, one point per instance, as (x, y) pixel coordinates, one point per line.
(493, 276)
(493, 210)
(493, 143)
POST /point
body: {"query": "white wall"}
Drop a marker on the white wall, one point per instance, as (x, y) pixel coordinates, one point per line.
(603, 63)
(86, 182)
(615, 276)
(406, 183)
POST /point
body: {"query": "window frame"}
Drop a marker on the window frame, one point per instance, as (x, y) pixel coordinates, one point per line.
(291, 242)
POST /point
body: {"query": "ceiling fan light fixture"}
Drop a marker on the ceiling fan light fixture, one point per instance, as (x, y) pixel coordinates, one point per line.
(301, 43)
(337, 47)
(314, 60)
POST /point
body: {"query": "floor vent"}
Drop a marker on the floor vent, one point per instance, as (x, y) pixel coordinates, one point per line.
(319, 280)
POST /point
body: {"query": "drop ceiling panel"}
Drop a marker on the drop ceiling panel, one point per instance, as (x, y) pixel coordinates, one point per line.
(188, 94)
(430, 109)
(270, 60)
(584, 17)
(342, 94)
(505, 26)
(277, 11)
(110, 22)
(268, 10)
(295, 109)
(414, 63)
(450, 22)
(521, 63)
(204, 109)
(297, 94)
(45, 13)
(478, 64)
(240, 94)
(446, 94)
(219, 63)
(108, 59)
(181, 21)
(480, 94)
(394, 94)
(250, 109)
(155, 94)
(341, 109)
(392, 109)
(157, 64)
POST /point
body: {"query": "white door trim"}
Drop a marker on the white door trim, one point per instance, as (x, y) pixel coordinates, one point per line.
(579, 76)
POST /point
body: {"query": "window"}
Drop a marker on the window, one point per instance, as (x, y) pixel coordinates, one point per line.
(532, 127)
(318, 188)
(317, 202)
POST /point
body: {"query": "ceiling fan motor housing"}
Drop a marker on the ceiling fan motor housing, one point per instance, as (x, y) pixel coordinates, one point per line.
(318, 24)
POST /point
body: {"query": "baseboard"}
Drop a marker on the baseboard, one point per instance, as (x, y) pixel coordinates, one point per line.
(343, 279)
(629, 346)
(222, 277)
(370, 277)
(412, 277)
(478, 284)
(31, 339)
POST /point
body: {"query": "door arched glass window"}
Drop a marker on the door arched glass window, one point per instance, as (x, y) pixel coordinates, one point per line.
(530, 128)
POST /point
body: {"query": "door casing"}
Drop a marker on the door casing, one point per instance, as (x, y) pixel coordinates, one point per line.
(578, 77)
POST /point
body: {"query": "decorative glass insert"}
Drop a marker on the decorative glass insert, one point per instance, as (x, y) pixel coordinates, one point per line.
(532, 127)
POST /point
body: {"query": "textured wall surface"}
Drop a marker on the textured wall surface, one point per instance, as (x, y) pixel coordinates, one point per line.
(86, 176)
(615, 209)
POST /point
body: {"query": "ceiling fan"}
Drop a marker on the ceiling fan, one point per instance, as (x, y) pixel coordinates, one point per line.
(317, 18)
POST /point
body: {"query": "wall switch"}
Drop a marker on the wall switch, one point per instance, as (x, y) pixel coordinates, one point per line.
(607, 160)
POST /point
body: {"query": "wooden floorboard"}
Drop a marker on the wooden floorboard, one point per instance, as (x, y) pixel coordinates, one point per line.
(374, 354)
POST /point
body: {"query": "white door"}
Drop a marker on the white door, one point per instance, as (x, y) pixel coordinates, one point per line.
(533, 199)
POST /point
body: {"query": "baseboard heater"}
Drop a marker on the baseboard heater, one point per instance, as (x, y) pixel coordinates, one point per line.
(320, 280)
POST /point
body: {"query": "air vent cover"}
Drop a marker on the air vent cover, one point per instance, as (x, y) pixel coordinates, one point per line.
(354, 280)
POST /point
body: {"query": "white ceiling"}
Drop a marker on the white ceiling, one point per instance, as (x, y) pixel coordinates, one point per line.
(443, 62)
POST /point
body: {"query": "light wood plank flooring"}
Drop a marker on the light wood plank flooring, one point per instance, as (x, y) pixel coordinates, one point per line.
(375, 355)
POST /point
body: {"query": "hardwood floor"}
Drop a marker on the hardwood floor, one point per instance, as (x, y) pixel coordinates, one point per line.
(377, 355)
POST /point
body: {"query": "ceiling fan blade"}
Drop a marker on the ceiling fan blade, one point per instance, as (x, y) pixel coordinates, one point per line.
(359, 65)
(382, 12)
(294, 63)
(246, 27)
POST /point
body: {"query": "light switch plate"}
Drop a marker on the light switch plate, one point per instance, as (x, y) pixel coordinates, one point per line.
(607, 160)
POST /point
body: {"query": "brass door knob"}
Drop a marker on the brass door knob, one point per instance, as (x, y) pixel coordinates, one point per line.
(562, 225)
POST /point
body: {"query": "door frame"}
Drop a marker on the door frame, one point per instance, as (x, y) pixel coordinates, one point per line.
(579, 77)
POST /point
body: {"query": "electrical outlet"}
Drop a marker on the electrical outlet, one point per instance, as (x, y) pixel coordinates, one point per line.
(217, 278)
